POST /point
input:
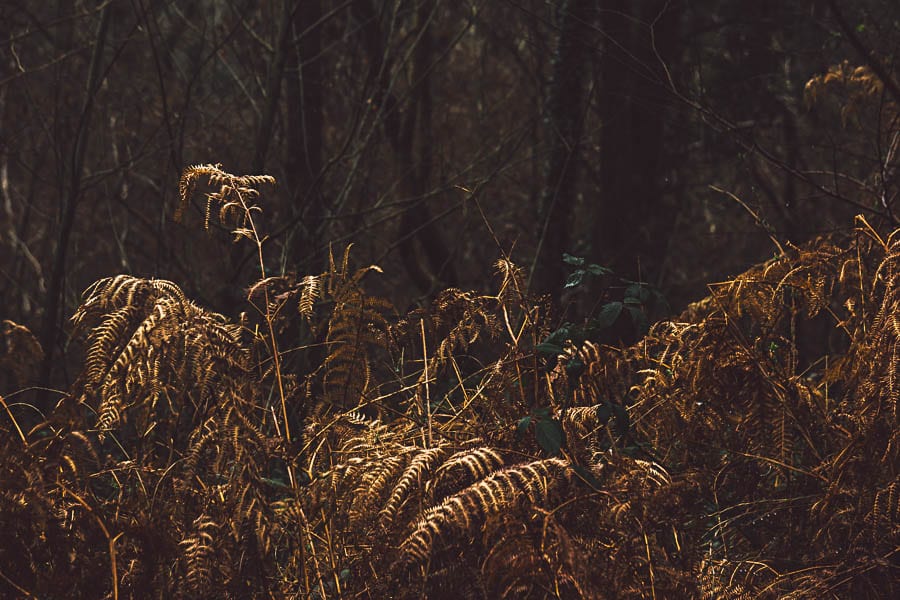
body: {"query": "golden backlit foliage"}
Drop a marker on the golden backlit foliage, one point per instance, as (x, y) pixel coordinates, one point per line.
(746, 449)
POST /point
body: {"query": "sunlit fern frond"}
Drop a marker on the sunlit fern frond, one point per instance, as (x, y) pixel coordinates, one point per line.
(463, 513)
(852, 87)
(465, 467)
(886, 508)
(224, 485)
(339, 280)
(355, 330)
(201, 563)
(228, 441)
(454, 322)
(361, 443)
(607, 376)
(111, 293)
(532, 556)
(146, 342)
(718, 581)
(310, 291)
(732, 377)
(106, 340)
(418, 469)
(800, 280)
(234, 196)
(274, 288)
(20, 352)
(590, 430)
(372, 486)
(359, 419)
(512, 281)
(471, 319)
(587, 391)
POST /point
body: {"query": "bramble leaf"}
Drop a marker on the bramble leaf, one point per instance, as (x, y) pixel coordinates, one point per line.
(608, 315)
(549, 434)
(576, 261)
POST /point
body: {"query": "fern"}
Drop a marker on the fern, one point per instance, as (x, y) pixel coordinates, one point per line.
(19, 352)
(233, 196)
(461, 514)
(200, 556)
(735, 452)
(417, 468)
(353, 331)
(310, 291)
(149, 343)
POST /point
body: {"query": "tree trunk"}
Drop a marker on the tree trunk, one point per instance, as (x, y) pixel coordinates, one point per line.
(303, 89)
(239, 252)
(564, 119)
(632, 222)
(54, 304)
(414, 147)
(273, 87)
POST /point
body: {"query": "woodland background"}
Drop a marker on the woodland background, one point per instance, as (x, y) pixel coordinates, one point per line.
(436, 136)
(195, 414)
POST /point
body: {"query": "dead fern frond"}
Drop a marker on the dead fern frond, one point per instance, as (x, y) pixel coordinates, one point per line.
(355, 329)
(149, 347)
(454, 322)
(20, 352)
(531, 557)
(747, 450)
(200, 555)
(460, 515)
(858, 84)
(310, 291)
(418, 468)
(512, 283)
(465, 467)
(233, 196)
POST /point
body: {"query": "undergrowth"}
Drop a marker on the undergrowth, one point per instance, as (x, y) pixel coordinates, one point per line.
(328, 447)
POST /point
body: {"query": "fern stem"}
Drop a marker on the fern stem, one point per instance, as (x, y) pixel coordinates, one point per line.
(109, 538)
(276, 356)
(14, 422)
(428, 441)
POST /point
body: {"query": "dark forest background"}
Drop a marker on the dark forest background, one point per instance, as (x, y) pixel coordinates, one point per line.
(676, 142)
(620, 316)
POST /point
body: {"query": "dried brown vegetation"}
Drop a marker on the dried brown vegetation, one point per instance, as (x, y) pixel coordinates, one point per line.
(747, 449)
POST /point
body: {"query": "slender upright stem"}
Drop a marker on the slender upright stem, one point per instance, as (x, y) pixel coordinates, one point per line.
(276, 356)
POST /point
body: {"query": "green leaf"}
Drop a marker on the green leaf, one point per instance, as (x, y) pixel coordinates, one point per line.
(608, 315)
(573, 260)
(641, 324)
(522, 425)
(604, 412)
(598, 270)
(640, 291)
(560, 336)
(549, 434)
(575, 279)
(622, 422)
(574, 368)
(276, 483)
(549, 349)
(553, 345)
